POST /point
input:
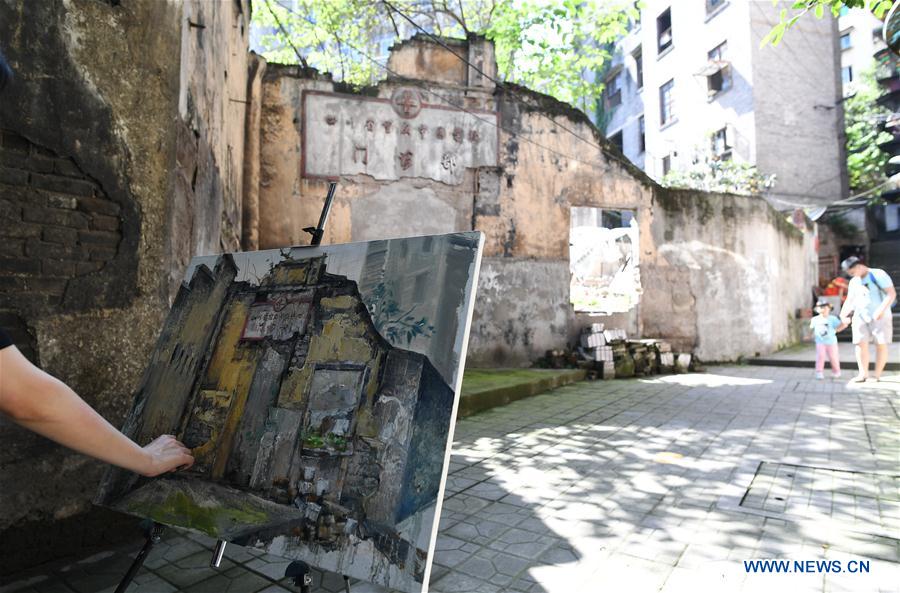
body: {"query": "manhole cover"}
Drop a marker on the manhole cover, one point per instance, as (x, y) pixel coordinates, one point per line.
(867, 502)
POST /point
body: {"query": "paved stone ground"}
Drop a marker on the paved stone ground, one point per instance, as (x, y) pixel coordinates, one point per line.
(806, 353)
(637, 485)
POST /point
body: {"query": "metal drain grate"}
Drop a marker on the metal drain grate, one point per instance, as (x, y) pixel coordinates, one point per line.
(869, 502)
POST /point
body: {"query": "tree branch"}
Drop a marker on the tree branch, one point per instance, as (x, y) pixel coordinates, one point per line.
(287, 37)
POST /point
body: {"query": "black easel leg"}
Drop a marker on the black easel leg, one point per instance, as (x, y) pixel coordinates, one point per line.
(153, 537)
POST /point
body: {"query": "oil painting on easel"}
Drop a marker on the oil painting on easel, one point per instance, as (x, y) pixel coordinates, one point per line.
(317, 389)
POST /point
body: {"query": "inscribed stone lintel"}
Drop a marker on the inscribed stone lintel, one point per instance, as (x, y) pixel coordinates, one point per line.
(392, 138)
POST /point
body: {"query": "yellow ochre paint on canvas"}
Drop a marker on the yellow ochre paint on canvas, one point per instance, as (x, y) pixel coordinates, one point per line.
(232, 376)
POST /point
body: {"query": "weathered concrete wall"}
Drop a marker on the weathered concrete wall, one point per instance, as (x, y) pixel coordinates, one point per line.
(206, 210)
(118, 119)
(550, 159)
(290, 201)
(728, 273)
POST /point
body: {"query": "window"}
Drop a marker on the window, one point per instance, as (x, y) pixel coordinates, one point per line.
(847, 74)
(612, 91)
(718, 53)
(604, 260)
(718, 72)
(639, 68)
(721, 144)
(712, 5)
(664, 30)
(666, 164)
(846, 42)
(666, 103)
(642, 136)
(617, 140)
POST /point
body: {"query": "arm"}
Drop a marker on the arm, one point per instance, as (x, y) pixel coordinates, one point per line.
(49, 407)
(846, 308)
(890, 295)
(840, 324)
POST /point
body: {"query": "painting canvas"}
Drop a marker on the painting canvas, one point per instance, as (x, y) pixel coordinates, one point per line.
(317, 388)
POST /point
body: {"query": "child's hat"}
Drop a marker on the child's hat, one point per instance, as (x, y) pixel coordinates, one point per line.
(822, 303)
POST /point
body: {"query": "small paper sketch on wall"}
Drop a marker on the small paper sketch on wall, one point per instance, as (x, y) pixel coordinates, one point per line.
(316, 388)
(604, 260)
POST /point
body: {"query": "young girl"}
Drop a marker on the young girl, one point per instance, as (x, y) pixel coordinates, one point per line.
(825, 327)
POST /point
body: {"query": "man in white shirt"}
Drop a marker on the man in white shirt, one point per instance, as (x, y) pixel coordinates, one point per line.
(869, 298)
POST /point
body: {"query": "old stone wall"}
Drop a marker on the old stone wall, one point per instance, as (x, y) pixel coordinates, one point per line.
(727, 275)
(549, 159)
(119, 159)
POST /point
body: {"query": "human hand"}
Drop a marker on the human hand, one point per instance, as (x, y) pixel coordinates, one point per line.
(166, 454)
(877, 314)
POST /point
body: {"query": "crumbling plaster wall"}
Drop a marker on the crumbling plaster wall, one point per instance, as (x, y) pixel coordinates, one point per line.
(728, 274)
(523, 306)
(522, 204)
(698, 252)
(288, 201)
(134, 97)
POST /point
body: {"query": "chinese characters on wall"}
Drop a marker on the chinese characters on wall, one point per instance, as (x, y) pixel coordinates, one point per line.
(400, 137)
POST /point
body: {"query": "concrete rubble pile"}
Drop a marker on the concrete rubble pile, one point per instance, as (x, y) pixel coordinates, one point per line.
(608, 353)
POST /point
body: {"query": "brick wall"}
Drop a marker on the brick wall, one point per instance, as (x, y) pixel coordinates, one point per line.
(56, 224)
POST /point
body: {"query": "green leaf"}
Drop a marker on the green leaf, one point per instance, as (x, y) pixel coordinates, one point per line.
(774, 35)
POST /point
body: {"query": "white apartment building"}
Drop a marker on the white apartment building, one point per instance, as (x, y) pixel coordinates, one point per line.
(859, 39)
(691, 78)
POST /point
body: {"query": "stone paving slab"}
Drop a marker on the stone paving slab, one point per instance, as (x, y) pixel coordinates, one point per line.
(804, 356)
(622, 486)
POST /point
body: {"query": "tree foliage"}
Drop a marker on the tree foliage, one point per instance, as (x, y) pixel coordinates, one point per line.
(788, 18)
(866, 162)
(556, 47)
(708, 173)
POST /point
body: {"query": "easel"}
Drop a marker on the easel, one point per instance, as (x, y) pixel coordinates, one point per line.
(298, 570)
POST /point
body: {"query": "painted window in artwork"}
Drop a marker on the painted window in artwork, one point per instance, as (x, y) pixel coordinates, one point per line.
(334, 396)
(603, 260)
(420, 288)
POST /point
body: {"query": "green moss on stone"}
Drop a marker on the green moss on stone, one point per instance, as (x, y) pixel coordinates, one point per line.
(179, 509)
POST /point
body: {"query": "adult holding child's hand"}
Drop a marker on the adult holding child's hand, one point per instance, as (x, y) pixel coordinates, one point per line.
(870, 295)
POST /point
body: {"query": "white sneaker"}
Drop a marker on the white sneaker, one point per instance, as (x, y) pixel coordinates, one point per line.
(820, 376)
